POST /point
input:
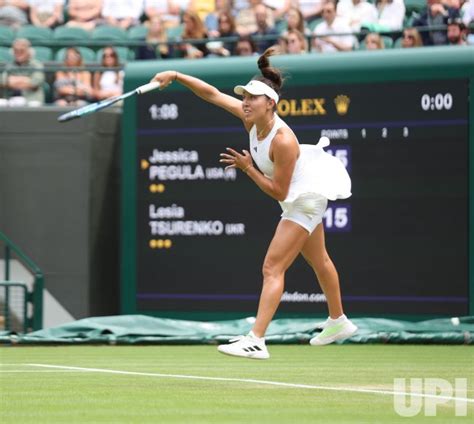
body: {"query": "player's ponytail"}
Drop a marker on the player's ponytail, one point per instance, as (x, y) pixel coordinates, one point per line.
(270, 75)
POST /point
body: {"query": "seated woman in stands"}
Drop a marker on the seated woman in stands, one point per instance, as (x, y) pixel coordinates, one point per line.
(373, 41)
(108, 83)
(193, 29)
(156, 39)
(73, 87)
(411, 38)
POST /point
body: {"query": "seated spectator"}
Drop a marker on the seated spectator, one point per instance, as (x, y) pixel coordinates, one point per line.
(108, 83)
(13, 13)
(23, 86)
(246, 21)
(211, 21)
(296, 42)
(456, 32)
(295, 20)
(391, 14)
(279, 7)
(123, 14)
(455, 4)
(434, 14)
(411, 38)
(245, 47)
(193, 29)
(239, 5)
(226, 28)
(263, 29)
(202, 7)
(85, 14)
(332, 24)
(467, 12)
(72, 87)
(156, 39)
(168, 10)
(46, 13)
(374, 41)
(356, 13)
(311, 9)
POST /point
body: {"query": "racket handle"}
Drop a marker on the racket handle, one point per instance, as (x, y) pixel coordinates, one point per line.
(147, 87)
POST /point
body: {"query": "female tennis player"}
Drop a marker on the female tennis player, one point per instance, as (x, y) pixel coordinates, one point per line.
(302, 178)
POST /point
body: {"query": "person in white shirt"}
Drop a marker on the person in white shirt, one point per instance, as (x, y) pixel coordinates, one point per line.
(123, 14)
(168, 10)
(311, 8)
(279, 7)
(467, 12)
(46, 13)
(391, 14)
(357, 12)
(332, 24)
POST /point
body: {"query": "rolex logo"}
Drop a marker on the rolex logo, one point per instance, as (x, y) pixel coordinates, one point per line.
(342, 104)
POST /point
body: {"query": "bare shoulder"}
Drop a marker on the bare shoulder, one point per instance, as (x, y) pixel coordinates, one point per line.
(285, 139)
(284, 145)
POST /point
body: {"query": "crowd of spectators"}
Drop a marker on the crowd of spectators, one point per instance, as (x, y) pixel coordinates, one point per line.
(213, 28)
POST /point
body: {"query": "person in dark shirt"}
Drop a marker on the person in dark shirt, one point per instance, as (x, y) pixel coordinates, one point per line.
(263, 29)
(434, 14)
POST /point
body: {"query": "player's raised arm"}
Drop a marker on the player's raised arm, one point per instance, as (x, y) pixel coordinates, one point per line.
(204, 90)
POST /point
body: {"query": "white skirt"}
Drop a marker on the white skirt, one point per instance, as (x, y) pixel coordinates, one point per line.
(319, 173)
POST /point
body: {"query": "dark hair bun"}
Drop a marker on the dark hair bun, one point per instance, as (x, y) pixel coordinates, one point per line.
(271, 76)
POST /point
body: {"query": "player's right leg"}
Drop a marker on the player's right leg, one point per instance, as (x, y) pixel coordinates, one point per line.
(285, 246)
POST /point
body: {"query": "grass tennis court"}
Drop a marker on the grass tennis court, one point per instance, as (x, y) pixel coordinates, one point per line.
(159, 384)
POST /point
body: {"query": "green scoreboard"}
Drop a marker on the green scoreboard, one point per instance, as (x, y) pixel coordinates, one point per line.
(194, 236)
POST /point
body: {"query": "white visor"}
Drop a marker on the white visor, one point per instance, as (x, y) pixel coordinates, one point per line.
(257, 88)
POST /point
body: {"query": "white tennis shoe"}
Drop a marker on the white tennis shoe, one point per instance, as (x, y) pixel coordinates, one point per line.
(247, 346)
(333, 331)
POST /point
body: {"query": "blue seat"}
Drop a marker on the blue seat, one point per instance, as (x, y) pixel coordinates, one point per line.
(107, 33)
(70, 33)
(137, 32)
(5, 54)
(7, 35)
(35, 34)
(43, 54)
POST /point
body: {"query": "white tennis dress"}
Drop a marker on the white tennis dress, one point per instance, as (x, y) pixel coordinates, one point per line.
(316, 173)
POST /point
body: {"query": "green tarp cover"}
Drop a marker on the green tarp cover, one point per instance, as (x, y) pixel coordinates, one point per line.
(133, 329)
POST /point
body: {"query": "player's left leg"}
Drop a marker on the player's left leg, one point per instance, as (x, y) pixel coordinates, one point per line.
(337, 326)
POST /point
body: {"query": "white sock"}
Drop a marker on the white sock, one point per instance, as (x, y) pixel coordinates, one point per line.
(251, 334)
(338, 320)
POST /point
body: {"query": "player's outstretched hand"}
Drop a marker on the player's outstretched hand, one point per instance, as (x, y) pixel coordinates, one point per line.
(234, 159)
(165, 78)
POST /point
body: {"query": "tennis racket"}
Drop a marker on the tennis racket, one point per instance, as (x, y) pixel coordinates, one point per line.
(94, 107)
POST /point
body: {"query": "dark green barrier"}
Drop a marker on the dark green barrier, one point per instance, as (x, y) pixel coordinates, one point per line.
(401, 122)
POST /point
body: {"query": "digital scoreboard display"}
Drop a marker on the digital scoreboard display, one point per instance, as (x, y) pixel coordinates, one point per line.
(400, 243)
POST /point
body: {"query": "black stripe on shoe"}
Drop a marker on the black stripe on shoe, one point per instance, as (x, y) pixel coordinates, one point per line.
(257, 348)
